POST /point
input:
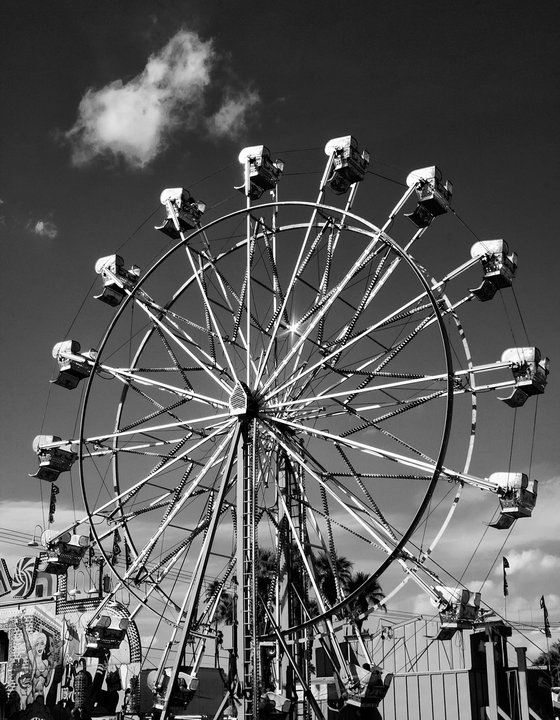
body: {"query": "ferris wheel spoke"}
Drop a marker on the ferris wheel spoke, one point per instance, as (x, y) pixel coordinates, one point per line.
(299, 266)
(278, 293)
(315, 514)
(359, 481)
(126, 495)
(393, 353)
(316, 315)
(189, 425)
(314, 469)
(145, 553)
(199, 276)
(303, 557)
(225, 294)
(322, 291)
(375, 521)
(325, 281)
(207, 318)
(327, 359)
(368, 449)
(409, 380)
(205, 364)
(244, 287)
(358, 512)
(129, 516)
(346, 334)
(366, 423)
(128, 376)
(173, 357)
(409, 309)
(401, 407)
(161, 410)
(414, 382)
(165, 566)
(175, 321)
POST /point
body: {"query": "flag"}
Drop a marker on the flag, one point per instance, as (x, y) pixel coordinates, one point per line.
(91, 551)
(5, 579)
(545, 614)
(52, 504)
(505, 565)
(116, 547)
(127, 555)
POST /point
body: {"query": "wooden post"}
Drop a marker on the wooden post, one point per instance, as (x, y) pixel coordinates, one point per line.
(492, 707)
(522, 675)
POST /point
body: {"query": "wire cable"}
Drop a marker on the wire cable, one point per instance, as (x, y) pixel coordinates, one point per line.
(386, 177)
(520, 316)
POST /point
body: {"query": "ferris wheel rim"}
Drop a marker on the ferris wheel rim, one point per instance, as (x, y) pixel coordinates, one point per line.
(371, 229)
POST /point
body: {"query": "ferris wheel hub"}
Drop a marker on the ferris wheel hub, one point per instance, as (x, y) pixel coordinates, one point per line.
(243, 402)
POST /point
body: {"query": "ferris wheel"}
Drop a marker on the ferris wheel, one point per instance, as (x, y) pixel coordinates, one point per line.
(284, 387)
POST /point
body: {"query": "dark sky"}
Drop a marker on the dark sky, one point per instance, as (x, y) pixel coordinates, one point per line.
(471, 87)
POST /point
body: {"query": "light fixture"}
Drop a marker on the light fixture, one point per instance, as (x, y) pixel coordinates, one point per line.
(58, 593)
(75, 590)
(33, 542)
(93, 588)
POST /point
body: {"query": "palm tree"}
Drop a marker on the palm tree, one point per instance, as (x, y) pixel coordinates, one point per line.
(551, 659)
(329, 573)
(325, 570)
(265, 572)
(366, 600)
(225, 611)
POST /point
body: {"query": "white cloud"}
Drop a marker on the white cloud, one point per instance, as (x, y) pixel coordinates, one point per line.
(422, 605)
(530, 561)
(45, 228)
(133, 120)
(231, 119)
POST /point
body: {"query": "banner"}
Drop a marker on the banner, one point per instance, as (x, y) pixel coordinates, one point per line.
(116, 547)
(545, 615)
(5, 579)
(127, 555)
(52, 504)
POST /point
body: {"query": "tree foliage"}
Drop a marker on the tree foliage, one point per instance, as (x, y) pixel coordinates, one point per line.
(335, 580)
(551, 659)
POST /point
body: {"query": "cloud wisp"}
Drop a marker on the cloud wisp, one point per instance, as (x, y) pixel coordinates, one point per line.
(134, 120)
(45, 228)
(231, 119)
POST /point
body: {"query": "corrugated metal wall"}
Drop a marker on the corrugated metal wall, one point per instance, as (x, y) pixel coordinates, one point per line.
(433, 695)
(431, 677)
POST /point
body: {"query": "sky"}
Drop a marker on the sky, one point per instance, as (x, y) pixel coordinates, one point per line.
(105, 104)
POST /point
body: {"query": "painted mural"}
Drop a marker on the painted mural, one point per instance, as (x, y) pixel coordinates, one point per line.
(52, 665)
